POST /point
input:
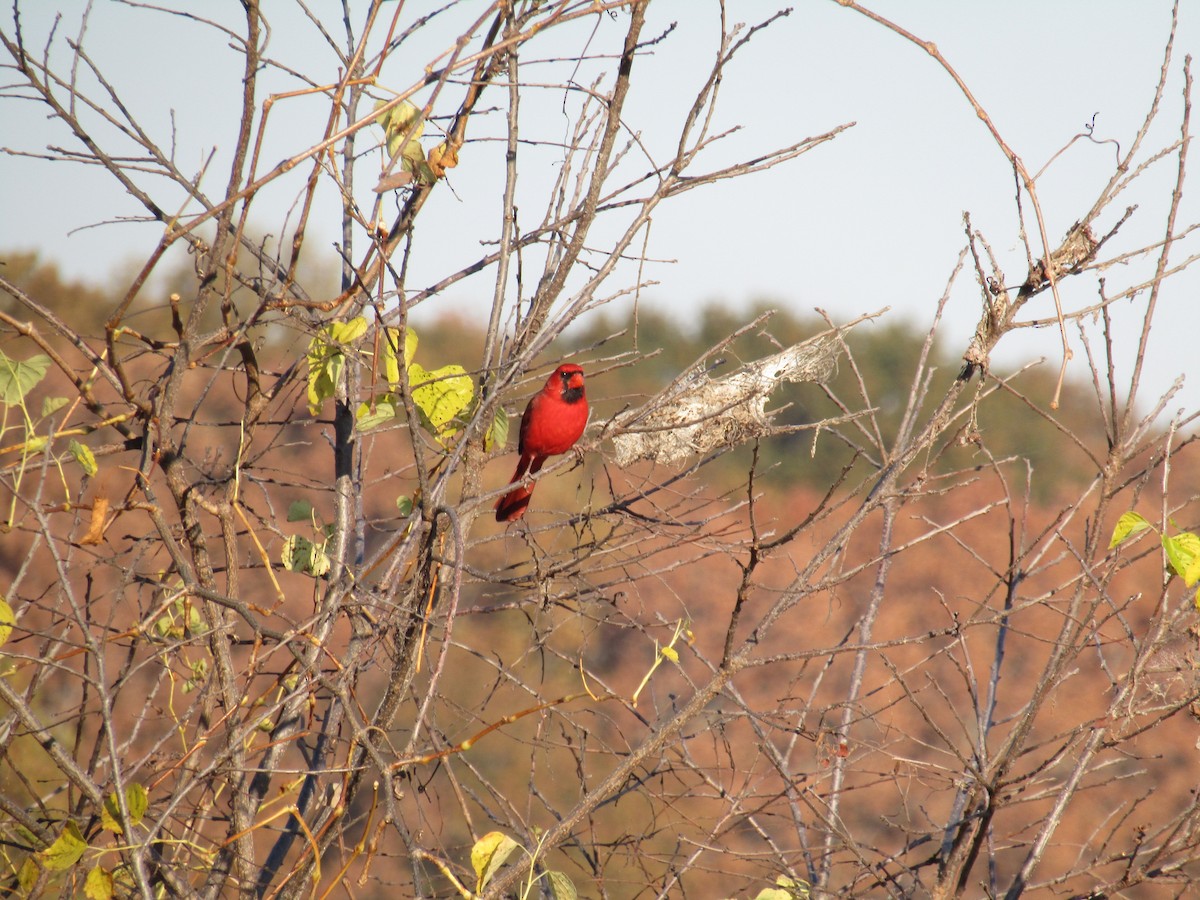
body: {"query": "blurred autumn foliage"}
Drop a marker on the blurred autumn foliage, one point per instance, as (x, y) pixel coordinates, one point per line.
(597, 623)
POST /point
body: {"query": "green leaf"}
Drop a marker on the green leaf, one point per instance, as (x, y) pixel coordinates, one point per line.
(1128, 525)
(367, 418)
(83, 456)
(561, 886)
(497, 435)
(99, 884)
(19, 377)
(65, 851)
(404, 504)
(1183, 552)
(424, 173)
(190, 613)
(7, 621)
(489, 854)
(136, 801)
(300, 511)
(302, 555)
(199, 669)
(441, 395)
(51, 405)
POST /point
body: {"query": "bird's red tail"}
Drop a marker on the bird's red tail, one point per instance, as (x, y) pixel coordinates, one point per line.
(513, 504)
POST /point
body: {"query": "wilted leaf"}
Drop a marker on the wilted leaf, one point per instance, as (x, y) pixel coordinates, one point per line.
(99, 884)
(442, 157)
(65, 851)
(83, 455)
(393, 182)
(1183, 552)
(7, 621)
(300, 511)
(1128, 525)
(19, 377)
(489, 854)
(95, 532)
(136, 802)
(51, 405)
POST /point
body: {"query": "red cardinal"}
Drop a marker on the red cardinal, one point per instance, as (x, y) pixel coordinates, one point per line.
(551, 424)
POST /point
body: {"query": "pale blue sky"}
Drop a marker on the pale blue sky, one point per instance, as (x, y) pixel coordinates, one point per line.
(872, 219)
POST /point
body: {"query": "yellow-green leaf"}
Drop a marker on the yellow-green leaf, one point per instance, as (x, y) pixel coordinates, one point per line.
(367, 418)
(19, 377)
(441, 395)
(27, 876)
(670, 653)
(324, 368)
(302, 555)
(497, 435)
(65, 851)
(1128, 525)
(1183, 552)
(785, 889)
(489, 854)
(99, 884)
(136, 802)
(7, 621)
(561, 886)
(348, 332)
(404, 505)
(83, 455)
(400, 118)
(403, 125)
